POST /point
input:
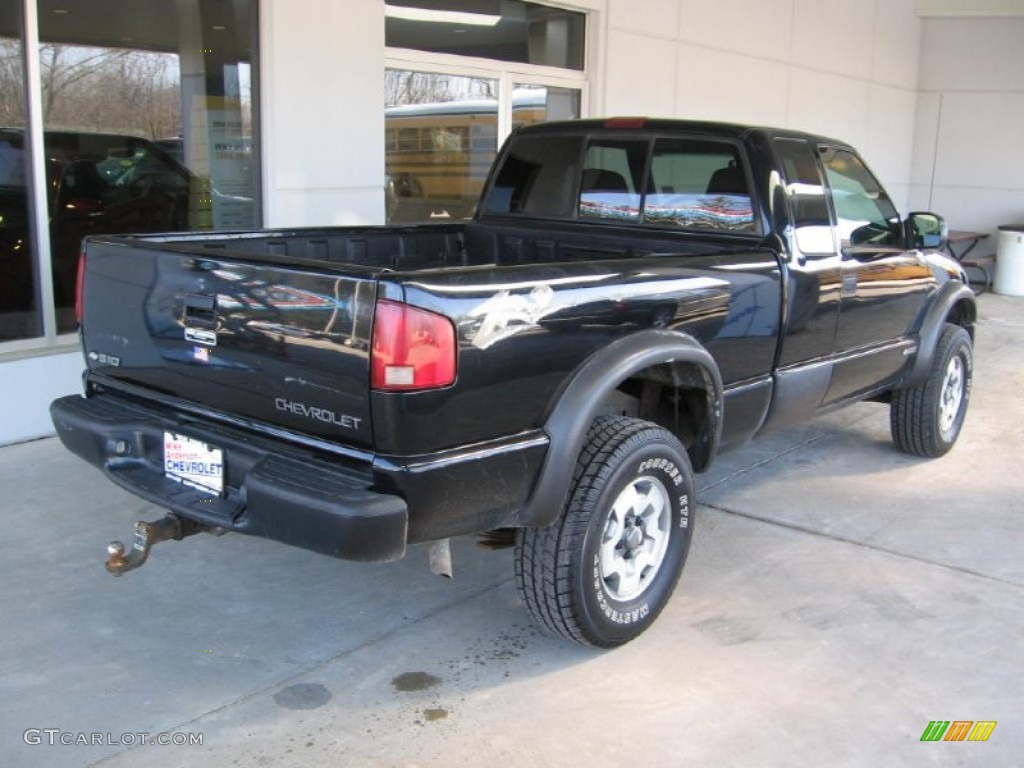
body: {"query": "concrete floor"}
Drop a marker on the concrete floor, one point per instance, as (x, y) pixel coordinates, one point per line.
(838, 597)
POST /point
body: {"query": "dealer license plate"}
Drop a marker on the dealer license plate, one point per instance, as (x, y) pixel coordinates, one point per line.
(194, 463)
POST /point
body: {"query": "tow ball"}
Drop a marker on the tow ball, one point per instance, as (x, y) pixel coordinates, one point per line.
(169, 528)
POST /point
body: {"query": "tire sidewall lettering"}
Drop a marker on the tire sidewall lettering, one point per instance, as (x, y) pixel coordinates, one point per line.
(665, 465)
(615, 615)
(657, 462)
(669, 467)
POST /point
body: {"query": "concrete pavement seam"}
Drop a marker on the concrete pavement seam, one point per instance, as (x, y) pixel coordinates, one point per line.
(774, 457)
(863, 545)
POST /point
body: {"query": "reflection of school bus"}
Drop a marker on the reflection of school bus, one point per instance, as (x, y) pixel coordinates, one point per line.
(437, 155)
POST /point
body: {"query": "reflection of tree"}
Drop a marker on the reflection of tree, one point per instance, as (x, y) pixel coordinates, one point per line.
(119, 90)
(99, 89)
(404, 87)
(12, 109)
(110, 89)
(59, 74)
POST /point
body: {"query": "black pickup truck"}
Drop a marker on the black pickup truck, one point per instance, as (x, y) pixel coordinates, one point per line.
(631, 298)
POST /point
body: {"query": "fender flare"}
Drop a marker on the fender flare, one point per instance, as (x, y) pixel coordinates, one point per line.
(580, 403)
(935, 318)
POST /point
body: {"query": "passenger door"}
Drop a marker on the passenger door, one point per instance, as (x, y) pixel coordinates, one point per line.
(884, 285)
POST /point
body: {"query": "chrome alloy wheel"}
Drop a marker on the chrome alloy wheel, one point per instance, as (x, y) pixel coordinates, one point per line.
(952, 394)
(635, 538)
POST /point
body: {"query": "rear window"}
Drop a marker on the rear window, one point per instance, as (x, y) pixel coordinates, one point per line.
(678, 183)
(612, 180)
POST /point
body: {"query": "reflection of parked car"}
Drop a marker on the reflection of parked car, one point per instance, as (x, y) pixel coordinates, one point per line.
(173, 146)
(96, 184)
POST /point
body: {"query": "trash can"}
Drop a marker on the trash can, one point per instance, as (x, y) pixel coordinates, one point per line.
(1009, 279)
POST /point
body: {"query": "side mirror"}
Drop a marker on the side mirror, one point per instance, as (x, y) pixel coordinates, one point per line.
(927, 230)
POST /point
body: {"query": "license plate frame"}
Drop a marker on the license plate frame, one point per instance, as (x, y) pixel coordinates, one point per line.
(194, 463)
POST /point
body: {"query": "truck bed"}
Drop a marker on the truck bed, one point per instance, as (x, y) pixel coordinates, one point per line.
(392, 248)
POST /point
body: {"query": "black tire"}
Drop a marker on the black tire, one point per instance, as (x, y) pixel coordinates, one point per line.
(926, 419)
(580, 576)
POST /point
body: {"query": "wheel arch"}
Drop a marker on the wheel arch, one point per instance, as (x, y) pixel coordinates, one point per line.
(955, 303)
(669, 359)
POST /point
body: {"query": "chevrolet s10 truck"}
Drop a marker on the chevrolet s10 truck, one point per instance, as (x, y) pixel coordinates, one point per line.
(631, 297)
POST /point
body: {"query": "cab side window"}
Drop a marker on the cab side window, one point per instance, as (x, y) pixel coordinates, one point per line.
(805, 190)
(864, 213)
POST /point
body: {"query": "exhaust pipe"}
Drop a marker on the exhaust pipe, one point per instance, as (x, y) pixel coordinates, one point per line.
(170, 528)
(441, 558)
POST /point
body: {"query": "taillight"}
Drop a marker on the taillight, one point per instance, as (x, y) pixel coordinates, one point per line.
(412, 348)
(79, 279)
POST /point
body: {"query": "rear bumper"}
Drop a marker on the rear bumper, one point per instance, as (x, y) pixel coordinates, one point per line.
(272, 490)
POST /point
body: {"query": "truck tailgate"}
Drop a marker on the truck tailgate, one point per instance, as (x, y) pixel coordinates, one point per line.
(286, 345)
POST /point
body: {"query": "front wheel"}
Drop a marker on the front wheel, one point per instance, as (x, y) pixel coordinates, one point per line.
(926, 419)
(602, 572)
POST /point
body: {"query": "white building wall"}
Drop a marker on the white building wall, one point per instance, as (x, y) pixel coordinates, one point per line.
(28, 385)
(969, 163)
(844, 68)
(322, 93)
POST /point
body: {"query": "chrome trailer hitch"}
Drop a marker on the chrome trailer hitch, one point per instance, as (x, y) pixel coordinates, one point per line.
(169, 528)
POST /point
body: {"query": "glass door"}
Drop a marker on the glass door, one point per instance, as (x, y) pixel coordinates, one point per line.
(442, 133)
(460, 77)
(441, 138)
(541, 103)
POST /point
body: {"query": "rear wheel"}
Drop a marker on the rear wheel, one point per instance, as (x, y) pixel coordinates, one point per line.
(926, 419)
(602, 572)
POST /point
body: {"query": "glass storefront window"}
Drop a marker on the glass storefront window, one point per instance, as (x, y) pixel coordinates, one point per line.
(441, 135)
(443, 130)
(504, 30)
(20, 317)
(148, 123)
(541, 103)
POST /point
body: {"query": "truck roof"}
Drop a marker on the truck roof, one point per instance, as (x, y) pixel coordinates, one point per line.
(728, 130)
